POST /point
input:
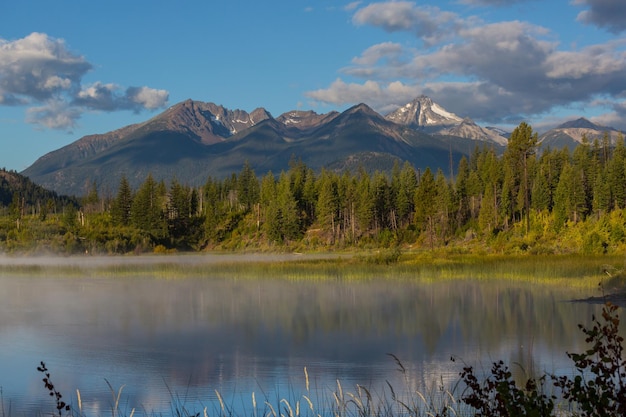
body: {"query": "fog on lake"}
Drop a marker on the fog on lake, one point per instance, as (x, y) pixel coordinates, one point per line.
(181, 340)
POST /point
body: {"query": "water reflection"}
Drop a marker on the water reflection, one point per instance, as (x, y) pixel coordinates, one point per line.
(193, 336)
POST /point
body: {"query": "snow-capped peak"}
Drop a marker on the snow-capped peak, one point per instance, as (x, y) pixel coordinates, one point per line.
(423, 112)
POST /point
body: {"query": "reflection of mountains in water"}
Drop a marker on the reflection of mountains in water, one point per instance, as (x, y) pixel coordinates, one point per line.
(216, 332)
(355, 321)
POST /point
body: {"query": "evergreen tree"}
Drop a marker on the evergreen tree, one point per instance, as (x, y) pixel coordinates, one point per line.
(488, 215)
(461, 188)
(617, 175)
(426, 204)
(520, 149)
(569, 203)
(382, 201)
(601, 194)
(404, 204)
(288, 209)
(541, 195)
(365, 202)
(121, 207)
(327, 210)
(247, 186)
(147, 208)
(443, 202)
(213, 208)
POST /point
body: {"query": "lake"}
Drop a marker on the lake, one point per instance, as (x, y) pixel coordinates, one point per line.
(175, 343)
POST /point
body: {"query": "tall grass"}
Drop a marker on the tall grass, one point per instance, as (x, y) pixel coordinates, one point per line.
(314, 401)
(570, 270)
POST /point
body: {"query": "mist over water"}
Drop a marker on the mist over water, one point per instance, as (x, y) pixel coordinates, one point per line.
(172, 340)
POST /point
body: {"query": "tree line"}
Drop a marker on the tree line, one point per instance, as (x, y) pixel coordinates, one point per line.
(523, 195)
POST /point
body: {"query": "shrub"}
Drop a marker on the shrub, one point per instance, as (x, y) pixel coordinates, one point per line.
(599, 388)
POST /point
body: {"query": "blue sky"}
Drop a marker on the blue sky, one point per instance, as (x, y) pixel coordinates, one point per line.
(74, 68)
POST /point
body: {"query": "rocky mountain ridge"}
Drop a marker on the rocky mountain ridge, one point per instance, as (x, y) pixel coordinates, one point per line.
(424, 114)
(193, 140)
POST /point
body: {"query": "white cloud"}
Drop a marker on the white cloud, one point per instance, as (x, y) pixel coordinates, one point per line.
(148, 98)
(499, 73)
(373, 54)
(41, 72)
(37, 67)
(383, 97)
(429, 23)
(54, 114)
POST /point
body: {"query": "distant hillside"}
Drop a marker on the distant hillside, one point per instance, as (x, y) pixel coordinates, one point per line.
(14, 185)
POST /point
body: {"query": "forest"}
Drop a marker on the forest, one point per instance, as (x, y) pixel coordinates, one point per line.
(525, 200)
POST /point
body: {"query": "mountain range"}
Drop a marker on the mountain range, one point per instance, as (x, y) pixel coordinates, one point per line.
(192, 141)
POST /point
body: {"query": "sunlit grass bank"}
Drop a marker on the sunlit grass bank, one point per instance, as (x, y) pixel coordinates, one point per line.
(571, 270)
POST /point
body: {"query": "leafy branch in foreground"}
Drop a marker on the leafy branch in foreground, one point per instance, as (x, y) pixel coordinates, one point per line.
(599, 389)
(53, 392)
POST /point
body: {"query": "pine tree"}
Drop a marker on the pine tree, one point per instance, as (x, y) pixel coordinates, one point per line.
(290, 220)
(407, 184)
(426, 204)
(601, 194)
(327, 210)
(147, 208)
(617, 175)
(121, 208)
(247, 187)
(521, 147)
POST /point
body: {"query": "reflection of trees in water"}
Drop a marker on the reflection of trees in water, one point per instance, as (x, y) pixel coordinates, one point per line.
(218, 326)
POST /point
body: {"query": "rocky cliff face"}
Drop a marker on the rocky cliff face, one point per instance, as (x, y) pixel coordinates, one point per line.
(304, 120)
(209, 122)
(423, 113)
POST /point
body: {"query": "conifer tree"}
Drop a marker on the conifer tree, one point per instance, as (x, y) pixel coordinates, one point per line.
(520, 149)
(327, 210)
(121, 207)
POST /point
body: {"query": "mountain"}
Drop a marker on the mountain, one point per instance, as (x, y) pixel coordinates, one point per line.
(423, 113)
(193, 140)
(470, 130)
(570, 134)
(428, 116)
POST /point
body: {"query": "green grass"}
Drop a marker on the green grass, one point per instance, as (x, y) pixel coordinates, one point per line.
(558, 270)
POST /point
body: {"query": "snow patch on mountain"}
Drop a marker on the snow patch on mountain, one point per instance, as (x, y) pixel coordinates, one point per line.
(424, 114)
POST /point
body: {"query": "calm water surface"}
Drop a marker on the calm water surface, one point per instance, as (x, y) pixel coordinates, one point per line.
(178, 341)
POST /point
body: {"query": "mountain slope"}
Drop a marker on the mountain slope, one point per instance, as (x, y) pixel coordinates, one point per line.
(570, 134)
(426, 115)
(423, 113)
(193, 140)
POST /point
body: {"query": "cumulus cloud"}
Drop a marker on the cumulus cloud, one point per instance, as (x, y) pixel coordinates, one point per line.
(37, 67)
(145, 97)
(383, 97)
(55, 114)
(499, 72)
(41, 72)
(107, 97)
(429, 23)
(609, 14)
